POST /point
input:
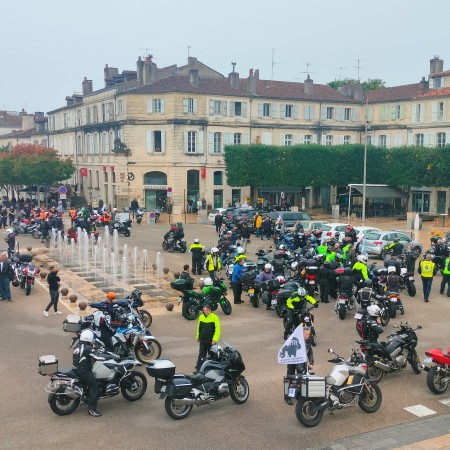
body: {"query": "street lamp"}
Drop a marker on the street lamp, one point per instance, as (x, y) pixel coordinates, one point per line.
(363, 213)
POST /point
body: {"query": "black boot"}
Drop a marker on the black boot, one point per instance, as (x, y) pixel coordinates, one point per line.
(288, 400)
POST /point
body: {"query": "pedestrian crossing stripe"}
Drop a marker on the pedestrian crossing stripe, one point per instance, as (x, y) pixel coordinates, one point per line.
(420, 410)
(446, 401)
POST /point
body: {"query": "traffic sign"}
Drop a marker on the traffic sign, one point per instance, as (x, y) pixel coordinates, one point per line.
(62, 190)
(169, 189)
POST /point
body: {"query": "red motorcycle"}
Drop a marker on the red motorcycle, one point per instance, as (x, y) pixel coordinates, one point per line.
(438, 376)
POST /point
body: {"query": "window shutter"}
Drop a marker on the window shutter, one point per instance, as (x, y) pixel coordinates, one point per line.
(374, 140)
(195, 106)
(324, 113)
(306, 112)
(402, 112)
(314, 139)
(295, 112)
(410, 139)
(224, 108)
(267, 138)
(244, 109)
(162, 106)
(210, 143)
(185, 106)
(426, 140)
(323, 139)
(383, 113)
(355, 115)
(201, 142)
(245, 138)
(282, 137)
(185, 142)
(388, 141)
(447, 138)
(352, 139)
(413, 113)
(149, 106)
(369, 115)
(422, 112)
(341, 139)
(274, 110)
(211, 107)
(282, 111)
(393, 112)
(434, 112)
(163, 142)
(232, 109)
(295, 139)
(445, 111)
(260, 109)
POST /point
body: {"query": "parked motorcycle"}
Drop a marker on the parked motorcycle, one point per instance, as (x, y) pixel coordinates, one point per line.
(305, 319)
(251, 286)
(406, 279)
(394, 304)
(346, 386)
(25, 272)
(218, 377)
(343, 305)
(437, 364)
(66, 391)
(393, 355)
(121, 227)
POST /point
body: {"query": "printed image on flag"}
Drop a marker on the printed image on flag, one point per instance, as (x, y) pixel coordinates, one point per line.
(294, 349)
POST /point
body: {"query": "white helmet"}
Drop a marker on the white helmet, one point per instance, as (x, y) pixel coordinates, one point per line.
(392, 269)
(196, 241)
(86, 336)
(268, 266)
(214, 250)
(301, 291)
(281, 247)
(207, 282)
(294, 265)
(9, 231)
(373, 310)
(362, 258)
(240, 250)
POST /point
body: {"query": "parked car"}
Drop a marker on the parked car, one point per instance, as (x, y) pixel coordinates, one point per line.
(212, 214)
(288, 217)
(375, 242)
(362, 231)
(334, 229)
(309, 225)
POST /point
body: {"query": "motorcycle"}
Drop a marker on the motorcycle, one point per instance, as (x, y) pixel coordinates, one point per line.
(121, 227)
(310, 275)
(346, 386)
(269, 290)
(140, 214)
(393, 355)
(305, 319)
(407, 280)
(174, 245)
(279, 303)
(251, 286)
(343, 305)
(438, 376)
(66, 390)
(394, 304)
(219, 377)
(25, 272)
(192, 300)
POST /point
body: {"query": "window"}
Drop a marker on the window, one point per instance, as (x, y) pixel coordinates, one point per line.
(266, 109)
(329, 139)
(437, 82)
(330, 112)
(217, 142)
(309, 112)
(157, 106)
(398, 112)
(307, 139)
(347, 113)
(120, 107)
(369, 139)
(441, 111)
(95, 114)
(218, 178)
(191, 141)
(288, 110)
(382, 141)
(288, 139)
(190, 106)
(347, 138)
(157, 141)
(419, 139)
(237, 108)
(103, 112)
(65, 120)
(237, 138)
(441, 139)
(217, 107)
(88, 116)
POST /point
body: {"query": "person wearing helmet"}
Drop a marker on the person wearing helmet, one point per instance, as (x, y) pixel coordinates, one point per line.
(295, 305)
(239, 254)
(392, 282)
(325, 274)
(207, 286)
(266, 275)
(208, 333)
(373, 326)
(236, 281)
(345, 283)
(213, 262)
(10, 241)
(196, 249)
(396, 247)
(360, 268)
(84, 358)
(102, 323)
(393, 262)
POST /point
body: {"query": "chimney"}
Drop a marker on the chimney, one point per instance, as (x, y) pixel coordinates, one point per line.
(140, 70)
(308, 86)
(251, 82)
(193, 77)
(192, 63)
(86, 87)
(69, 101)
(233, 77)
(436, 65)
(257, 74)
(149, 70)
(110, 73)
(423, 84)
(27, 121)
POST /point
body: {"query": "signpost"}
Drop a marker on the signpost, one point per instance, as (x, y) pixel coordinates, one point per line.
(169, 207)
(62, 191)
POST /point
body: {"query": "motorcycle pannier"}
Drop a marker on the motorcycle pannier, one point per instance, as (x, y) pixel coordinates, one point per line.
(271, 285)
(72, 323)
(377, 271)
(48, 364)
(313, 387)
(278, 264)
(161, 368)
(178, 284)
(248, 277)
(25, 258)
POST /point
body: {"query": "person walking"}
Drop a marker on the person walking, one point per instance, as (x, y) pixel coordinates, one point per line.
(266, 228)
(10, 241)
(218, 221)
(236, 283)
(213, 262)
(73, 215)
(11, 214)
(427, 270)
(190, 204)
(257, 223)
(6, 272)
(196, 249)
(53, 288)
(134, 206)
(208, 334)
(446, 277)
(245, 236)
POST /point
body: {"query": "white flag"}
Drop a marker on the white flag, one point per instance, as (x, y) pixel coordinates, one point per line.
(294, 349)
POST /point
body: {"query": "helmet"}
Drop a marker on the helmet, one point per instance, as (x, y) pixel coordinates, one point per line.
(348, 271)
(207, 282)
(86, 336)
(362, 258)
(136, 294)
(282, 247)
(294, 265)
(15, 282)
(373, 310)
(240, 250)
(196, 241)
(312, 239)
(392, 269)
(397, 239)
(214, 250)
(338, 257)
(301, 291)
(368, 283)
(111, 295)
(268, 266)
(317, 233)
(440, 241)
(9, 231)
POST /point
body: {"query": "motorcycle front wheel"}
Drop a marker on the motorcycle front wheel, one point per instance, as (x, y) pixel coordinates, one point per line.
(226, 306)
(36, 234)
(434, 381)
(189, 310)
(311, 289)
(63, 405)
(239, 391)
(342, 311)
(28, 288)
(146, 317)
(127, 233)
(144, 355)
(139, 220)
(255, 300)
(183, 247)
(280, 310)
(415, 361)
(165, 245)
(134, 386)
(385, 317)
(411, 288)
(370, 398)
(304, 411)
(175, 411)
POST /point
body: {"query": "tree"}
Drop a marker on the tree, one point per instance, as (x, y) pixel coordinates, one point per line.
(370, 85)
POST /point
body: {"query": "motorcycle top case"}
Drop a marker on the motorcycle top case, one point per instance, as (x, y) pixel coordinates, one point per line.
(161, 368)
(313, 387)
(248, 277)
(178, 284)
(278, 263)
(270, 285)
(72, 323)
(25, 258)
(377, 271)
(48, 364)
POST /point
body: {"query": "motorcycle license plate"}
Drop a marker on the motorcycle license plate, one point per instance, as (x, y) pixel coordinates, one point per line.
(394, 300)
(312, 282)
(350, 379)
(358, 316)
(163, 388)
(341, 302)
(291, 392)
(411, 278)
(251, 291)
(427, 360)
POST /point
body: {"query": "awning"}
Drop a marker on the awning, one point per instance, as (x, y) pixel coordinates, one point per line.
(377, 191)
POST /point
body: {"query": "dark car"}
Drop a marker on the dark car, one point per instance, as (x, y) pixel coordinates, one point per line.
(288, 217)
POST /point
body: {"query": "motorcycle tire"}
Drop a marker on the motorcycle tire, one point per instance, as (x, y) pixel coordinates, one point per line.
(342, 311)
(392, 310)
(415, 363)
(183, 247)
(190, 310)
(411, 288)
(265, 298)
(127, 233)
(255, 300)
(239, 391)
(385, 317)
(304, 413)
(146, 317)
(165, 245)
(145, 356)
(374, 373)
(416, 252)
(36, 234)
(176, 412)
(311, 289)
(226, 306)
(370, 402)
(139, 220)
(383, 255)
(279, 310)
(28, 288)
(134, 386)
(434, 381)
(63, 405)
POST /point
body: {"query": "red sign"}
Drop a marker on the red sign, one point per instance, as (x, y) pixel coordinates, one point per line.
(203, 172)
(104, 168)
(83, 172)
(111, 169)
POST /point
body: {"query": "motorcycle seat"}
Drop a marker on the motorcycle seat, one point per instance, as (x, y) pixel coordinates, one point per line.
(196, 378)
(67, 372)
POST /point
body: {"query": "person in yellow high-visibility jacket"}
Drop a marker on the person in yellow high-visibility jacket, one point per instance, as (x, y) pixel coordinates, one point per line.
(427, 270)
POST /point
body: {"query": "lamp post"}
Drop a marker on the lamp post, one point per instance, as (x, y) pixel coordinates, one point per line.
(130, 177)
(363, 212)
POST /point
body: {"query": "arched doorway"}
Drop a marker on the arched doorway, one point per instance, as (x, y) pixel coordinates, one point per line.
(155, 186)
(193, 185)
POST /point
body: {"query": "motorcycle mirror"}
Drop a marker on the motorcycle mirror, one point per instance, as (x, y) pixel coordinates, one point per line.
(330, 350)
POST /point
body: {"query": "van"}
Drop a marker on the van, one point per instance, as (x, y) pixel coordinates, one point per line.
(288, 217)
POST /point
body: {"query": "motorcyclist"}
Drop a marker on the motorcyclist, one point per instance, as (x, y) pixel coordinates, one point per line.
(84, 358)
(102, 323)
(325, 278)
(395, 246)
(196, 249)
(239, 254)
(373, 326)
(299, 234)
(393, 262)
(366, 295)
(440, 252)
(295, 304)
(266, 275)
(360, 268)
(345, 285)
(213, 262)
(10, 241)
(392, 282)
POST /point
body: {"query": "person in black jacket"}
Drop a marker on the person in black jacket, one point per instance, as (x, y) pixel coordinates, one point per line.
(351, 233)
(218, 220)
(6, 273)
(53, 288)
(345, 285)
(245, 236)
(325, 275)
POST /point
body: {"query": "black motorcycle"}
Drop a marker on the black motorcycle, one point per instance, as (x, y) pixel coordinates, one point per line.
(393, 355)
(121, 227)
(251, 286)
(174, 241)
(219, 377)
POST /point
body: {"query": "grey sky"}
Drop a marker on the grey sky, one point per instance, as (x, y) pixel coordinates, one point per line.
(48, 47)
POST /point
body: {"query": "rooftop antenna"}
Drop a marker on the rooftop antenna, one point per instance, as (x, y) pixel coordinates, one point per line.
(146, 50)
(189, 47)
(340, 71)
(359, 67)
(273, 64)
(307, 71)
(234, 65)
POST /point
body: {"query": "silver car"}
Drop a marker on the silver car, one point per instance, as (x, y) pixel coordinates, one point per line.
(374, 242)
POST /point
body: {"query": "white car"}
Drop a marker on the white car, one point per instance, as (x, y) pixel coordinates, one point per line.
(212, 214)
(331, 230)
(362, 231)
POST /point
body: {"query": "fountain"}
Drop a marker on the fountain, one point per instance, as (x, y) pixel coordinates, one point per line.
(113, 270)
(125, 273)
(135, 260)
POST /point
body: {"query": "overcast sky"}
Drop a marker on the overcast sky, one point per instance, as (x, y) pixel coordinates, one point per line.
(49, 46)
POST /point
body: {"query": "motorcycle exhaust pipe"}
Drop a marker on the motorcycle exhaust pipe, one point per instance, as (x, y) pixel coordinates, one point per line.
(71, 393)
(424, 367)
(188, 401)
(382, 366)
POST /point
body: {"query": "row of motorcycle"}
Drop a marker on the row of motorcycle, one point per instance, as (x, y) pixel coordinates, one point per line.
(219, 377)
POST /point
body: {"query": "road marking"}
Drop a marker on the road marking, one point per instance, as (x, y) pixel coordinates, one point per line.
(445, 401)
(420, 410)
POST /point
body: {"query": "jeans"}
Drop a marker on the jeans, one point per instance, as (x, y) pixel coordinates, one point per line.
(258, 232)
(427, 282)
(5, 291)
(445, 281)
(54, 297)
